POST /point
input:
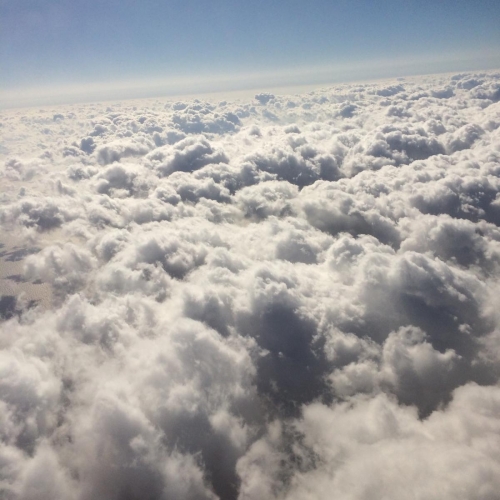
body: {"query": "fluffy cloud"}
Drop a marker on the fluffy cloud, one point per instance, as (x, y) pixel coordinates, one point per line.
(290, 297)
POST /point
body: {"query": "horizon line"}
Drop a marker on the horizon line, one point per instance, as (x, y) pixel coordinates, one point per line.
(193, 85)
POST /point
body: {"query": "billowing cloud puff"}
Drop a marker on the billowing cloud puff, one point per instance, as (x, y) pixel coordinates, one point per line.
(292, 297)
(186, 156)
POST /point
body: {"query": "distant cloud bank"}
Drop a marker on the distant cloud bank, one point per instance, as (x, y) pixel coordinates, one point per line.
(291, 297)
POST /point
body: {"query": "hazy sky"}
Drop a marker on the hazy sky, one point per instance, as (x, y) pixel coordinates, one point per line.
(61, 42)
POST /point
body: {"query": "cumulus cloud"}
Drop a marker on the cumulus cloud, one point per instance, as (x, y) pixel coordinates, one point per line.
(288, 297)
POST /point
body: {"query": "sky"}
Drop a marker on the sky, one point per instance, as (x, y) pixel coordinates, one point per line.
(64, 44)
(285, 295)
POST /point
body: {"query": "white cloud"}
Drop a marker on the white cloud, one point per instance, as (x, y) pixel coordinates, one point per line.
(373, 448)
(287, 297)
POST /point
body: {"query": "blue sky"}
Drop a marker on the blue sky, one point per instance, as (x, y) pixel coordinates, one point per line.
(47, 43)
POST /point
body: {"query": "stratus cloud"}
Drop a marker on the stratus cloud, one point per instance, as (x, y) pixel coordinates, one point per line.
(293, 297)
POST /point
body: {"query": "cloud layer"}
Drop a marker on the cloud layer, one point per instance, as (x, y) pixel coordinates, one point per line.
(292, 297)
